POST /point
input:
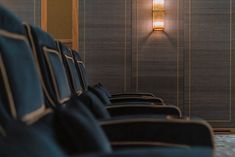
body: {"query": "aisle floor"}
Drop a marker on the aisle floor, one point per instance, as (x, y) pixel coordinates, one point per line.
(225, 145)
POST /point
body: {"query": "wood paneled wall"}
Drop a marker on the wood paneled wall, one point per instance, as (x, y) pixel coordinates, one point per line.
(209, 84)
(157, 57)
(106, 41)
(190, 64)
(121, 50)
(28, 11)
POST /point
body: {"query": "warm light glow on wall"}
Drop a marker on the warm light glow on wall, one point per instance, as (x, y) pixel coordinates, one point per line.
(158, 14)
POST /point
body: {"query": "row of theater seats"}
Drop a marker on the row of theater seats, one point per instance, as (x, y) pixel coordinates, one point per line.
(47, 107)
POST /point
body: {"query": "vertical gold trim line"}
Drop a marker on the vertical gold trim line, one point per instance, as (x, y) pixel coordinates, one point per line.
(84, 31)
(34, 12)
(177, 55)
(137, 47)
(231, 50)
(125, 51)
(190, 62)
(75, 24)
(190, 49)
(230, 67)
(44, 15)
(8, 88)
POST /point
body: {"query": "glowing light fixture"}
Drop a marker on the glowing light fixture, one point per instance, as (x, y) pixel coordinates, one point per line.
(158, 15)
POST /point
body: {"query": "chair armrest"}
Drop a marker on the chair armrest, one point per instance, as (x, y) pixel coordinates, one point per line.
(123, 110)
(155, 100)
(158, 132)
(158, 152)
(133, 95)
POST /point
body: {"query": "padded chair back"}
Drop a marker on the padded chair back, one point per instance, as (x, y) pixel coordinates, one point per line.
(91, 101)
(22, 95)
(72, 73)
(81, 69)
(102, 93)
(21, 92)
(53, 70)
(51, 65)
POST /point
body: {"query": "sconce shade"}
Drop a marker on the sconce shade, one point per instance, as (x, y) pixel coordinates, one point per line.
(158, 14)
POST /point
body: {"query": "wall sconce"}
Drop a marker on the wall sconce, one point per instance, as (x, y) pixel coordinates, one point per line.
(158, 15)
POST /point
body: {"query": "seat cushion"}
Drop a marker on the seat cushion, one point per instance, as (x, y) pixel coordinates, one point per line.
(22, 141)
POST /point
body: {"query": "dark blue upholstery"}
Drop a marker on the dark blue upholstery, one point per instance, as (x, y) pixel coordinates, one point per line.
(59, 74)
(81, 68)
(15, 59)
(8, 22)
(101, 94)
(96, 99)
(83, 134)
(96, 107)
(53, 74)
(94, 104)
(91, 101)
(104, 95)
(99, 85)
(78, 132)
(76, 83)
(100, 99)
(22, 141)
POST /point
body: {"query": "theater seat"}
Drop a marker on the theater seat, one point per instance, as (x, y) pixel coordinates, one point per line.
(75, 80)
(86, 84)
(22, 96)
(21, 141)
(53, 68)
(76, 131)
(104, 94)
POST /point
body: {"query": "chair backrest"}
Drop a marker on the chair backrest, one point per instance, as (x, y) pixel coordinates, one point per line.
(54, 73)
(90, 99)
(80, 66)
(69, 62)
(102, 94)
(21, 91)
(22, 95)
(51, 65)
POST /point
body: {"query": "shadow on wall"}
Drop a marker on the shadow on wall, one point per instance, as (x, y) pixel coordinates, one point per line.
(158, 39)
(157, 63)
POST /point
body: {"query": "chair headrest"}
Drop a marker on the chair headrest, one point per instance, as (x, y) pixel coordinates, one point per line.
(22, 96)
(51, 64)
(8, 21)
(65, 50)
(43, 38)
(77, 56)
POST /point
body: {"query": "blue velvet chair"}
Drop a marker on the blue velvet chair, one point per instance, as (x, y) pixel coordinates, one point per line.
(76, 79)
(126, 132)
(22, 96)
(23, 93)
(21, 141)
